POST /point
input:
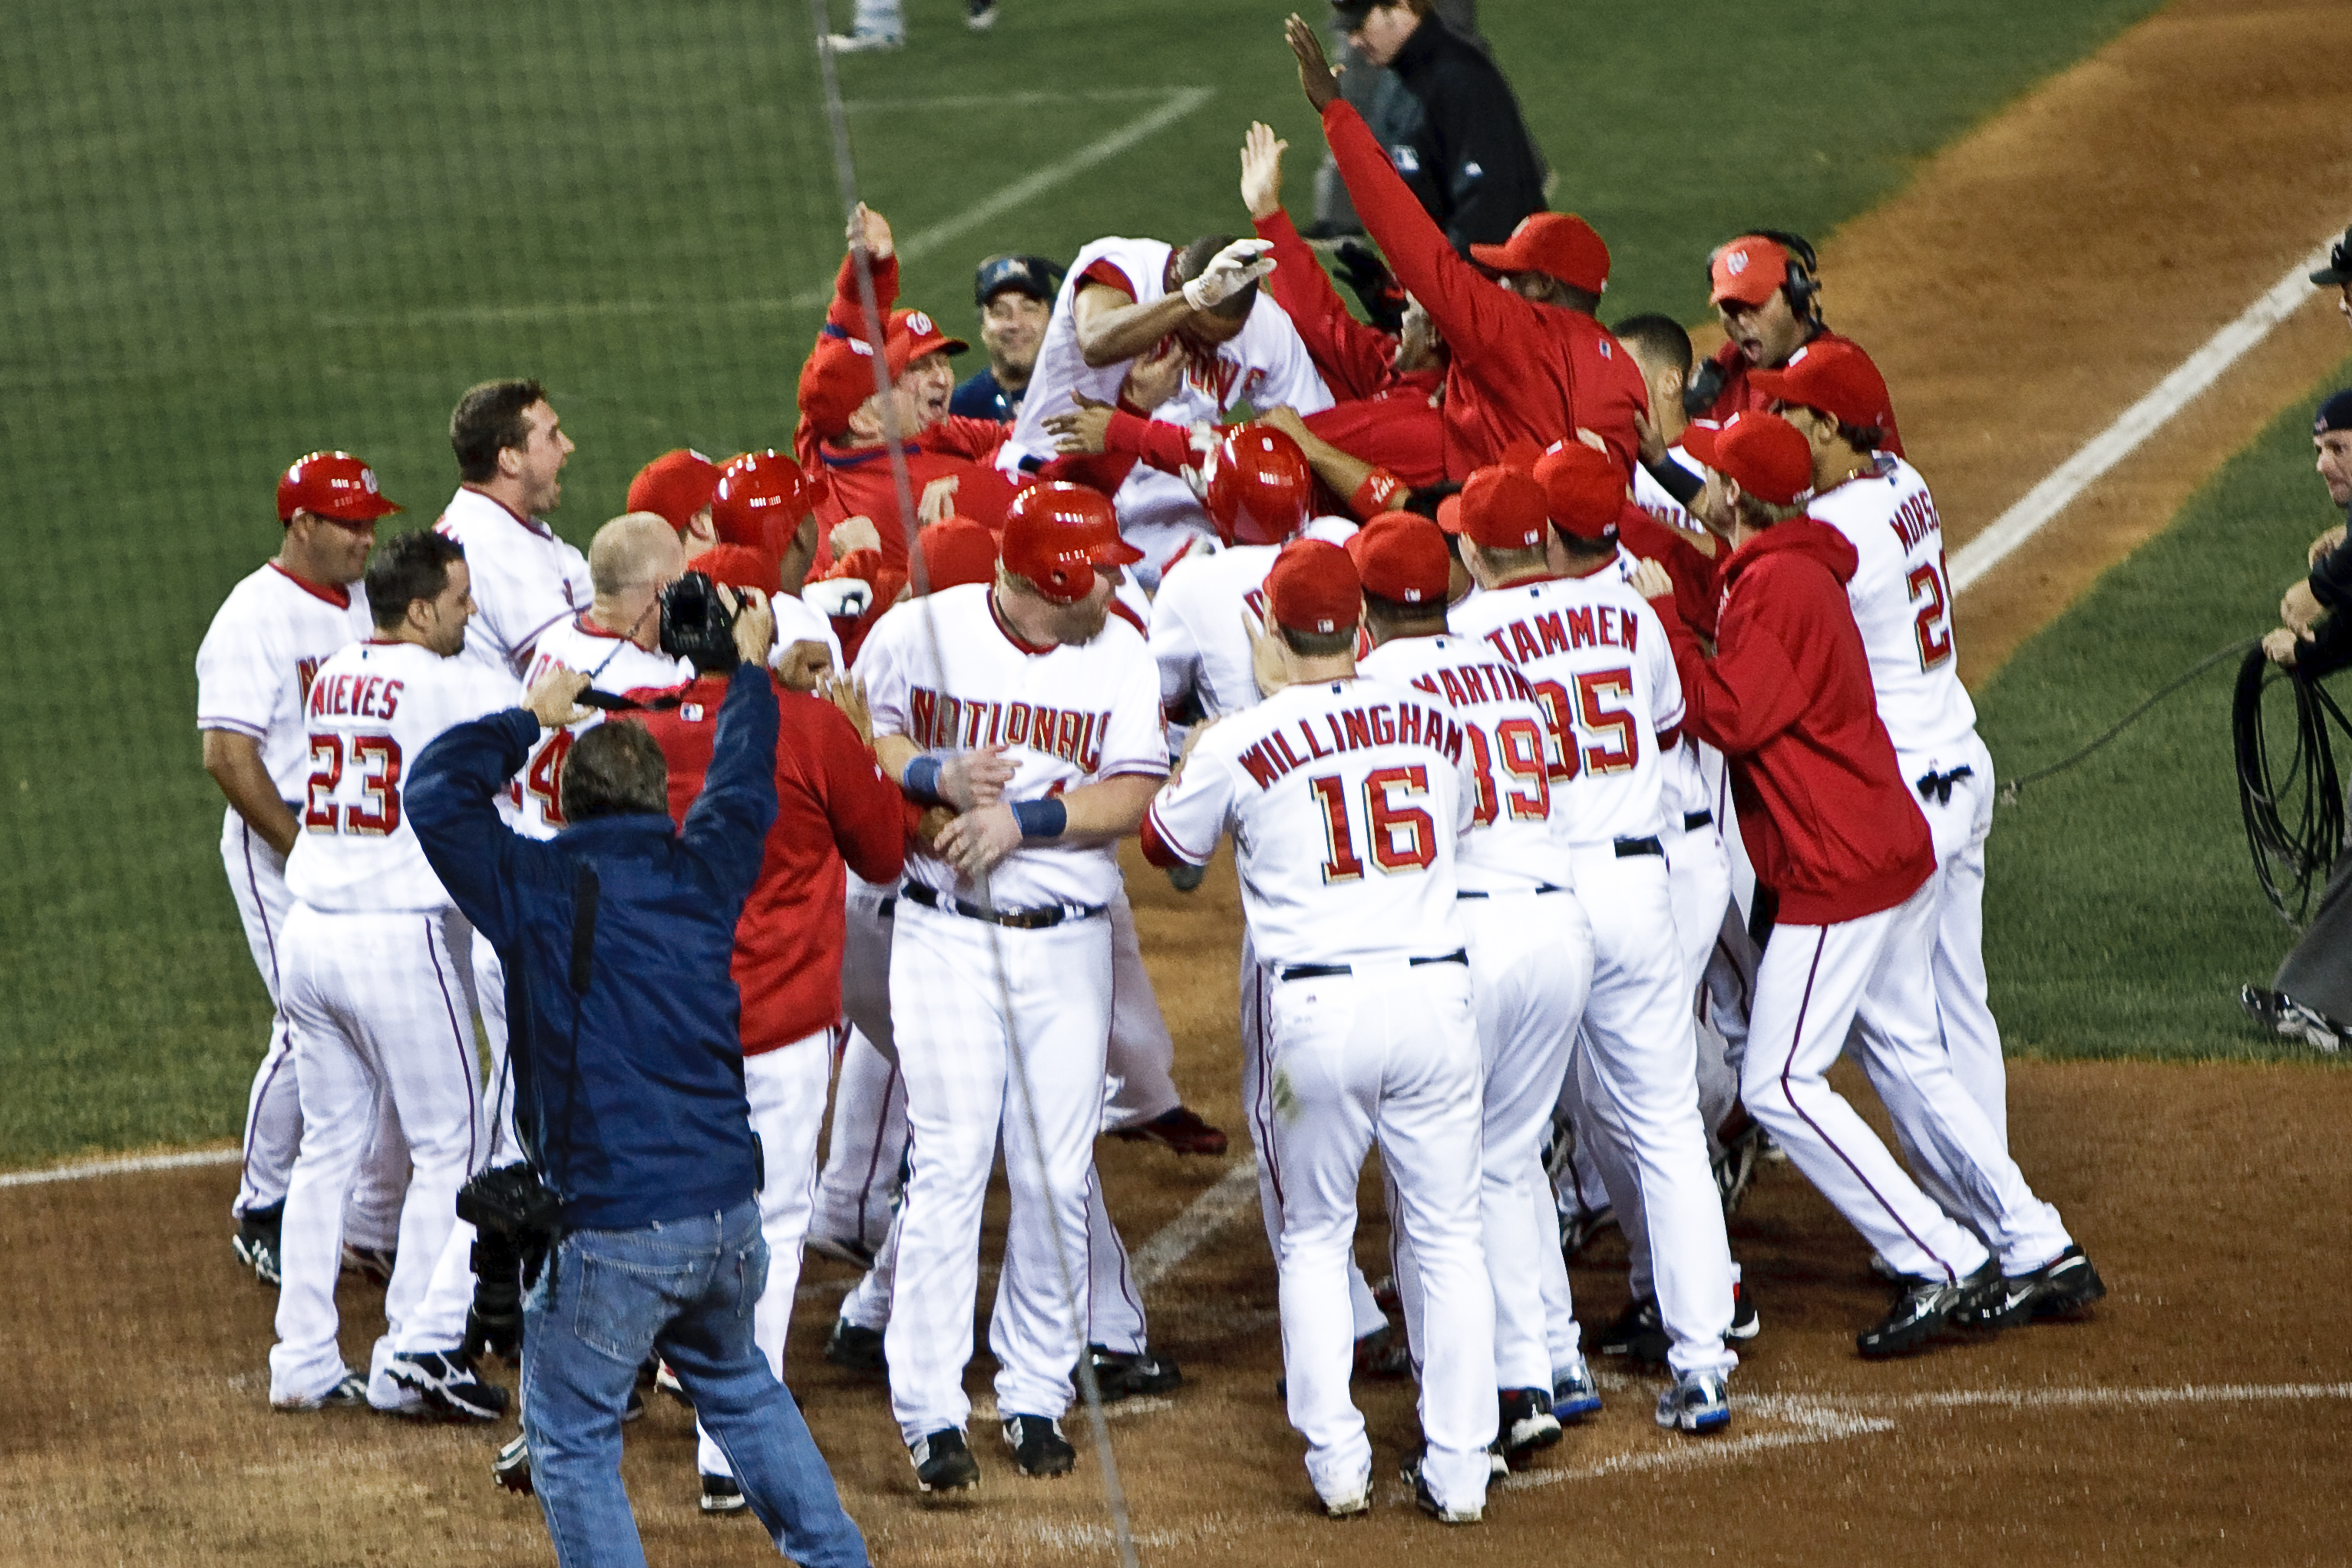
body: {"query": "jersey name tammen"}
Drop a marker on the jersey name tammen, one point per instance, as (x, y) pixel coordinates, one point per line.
(254, 668)
(373, 710)
(614, 665)
(524, 579)
(1070, 715)
(1517, 840)
(1596, 656)
(1346, 800)
(1901, 600)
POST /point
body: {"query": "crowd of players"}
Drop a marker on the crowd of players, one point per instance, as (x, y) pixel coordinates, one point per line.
(1472, 625)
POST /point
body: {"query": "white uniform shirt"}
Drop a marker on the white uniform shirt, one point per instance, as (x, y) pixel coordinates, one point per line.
(1658, 501)
(1513, 844)
(1598, 658)
(614, 665)
(373, 710)
(1264, 365)
(1685, 786)
(1197, 637)
(1902, 600)
(524, 578)
(254, 668)
(1346, 800)
(1071, 715)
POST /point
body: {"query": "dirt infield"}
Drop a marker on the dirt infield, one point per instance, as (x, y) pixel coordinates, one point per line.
(2036, 280)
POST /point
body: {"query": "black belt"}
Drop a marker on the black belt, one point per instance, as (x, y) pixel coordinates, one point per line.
(1693, 820)
(1017, 919)
(1628, 848)
(1939, 785)
(1539, 887)
(1325, 971)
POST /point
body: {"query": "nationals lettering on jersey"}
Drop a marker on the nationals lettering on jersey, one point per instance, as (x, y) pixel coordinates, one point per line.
(1348, 799)
(614, 666)
(1901, 594)
(1596, 657)
(255, 666)
(1070, 715)
(1517, 840)
(525, 581)
(373, 710)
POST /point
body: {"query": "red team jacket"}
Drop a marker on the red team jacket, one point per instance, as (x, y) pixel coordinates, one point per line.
(833, 806)
(1828, 822)
(1696, 593)
(1521, 371)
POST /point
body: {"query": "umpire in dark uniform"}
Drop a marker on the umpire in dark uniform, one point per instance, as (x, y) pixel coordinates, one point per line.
(1457, 138)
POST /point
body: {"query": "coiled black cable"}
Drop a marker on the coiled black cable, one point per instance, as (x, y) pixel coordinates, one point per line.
(2292, 805)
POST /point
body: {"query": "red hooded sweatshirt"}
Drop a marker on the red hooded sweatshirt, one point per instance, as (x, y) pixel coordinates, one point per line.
(1829, 823)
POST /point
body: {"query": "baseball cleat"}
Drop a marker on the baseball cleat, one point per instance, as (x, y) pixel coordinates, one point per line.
(1347, 1501)
(1524, 1424)
(1697, 1402)
(1637, 1333)
(1180, 1130)
(1128, 1374)
(1385, 1295)
(667, 1381)
(350, 1393)
(853, 1348)
(449, 1383)
(1577, 1230)
(372, 1263)
(846, 1250)
(864, 43)
(1384, 1353)
(980, 15)
(1426, 1501)
(255, 1242)
(2063, 1288)
(1746, 1322)
(1574, 1394)
(2290, 1019)
(512, 1468)
(944, 1463)
(1735, 1169)
(723, 1495)
(1039, 1449)
(1924, 1309)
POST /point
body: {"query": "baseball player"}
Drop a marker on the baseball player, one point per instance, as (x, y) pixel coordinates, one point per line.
(1345, 796)
(1001, 959)
(1530, 950)
(254, 670)
(373, 992)
(678, 485)
(1901, 598)
(1598, 662)
(511, 450)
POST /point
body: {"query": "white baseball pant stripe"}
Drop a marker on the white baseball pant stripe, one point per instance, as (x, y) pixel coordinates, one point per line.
(1531, 967)
(1813, 982)
(786, 1089)
(962, 991)
(1388, 1056)
(379, 1012)
(1637, 1103)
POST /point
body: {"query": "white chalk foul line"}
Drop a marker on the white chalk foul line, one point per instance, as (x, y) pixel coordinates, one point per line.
(129, 1166)
(1179, 102)
(2133, 425)
(1233, 1194)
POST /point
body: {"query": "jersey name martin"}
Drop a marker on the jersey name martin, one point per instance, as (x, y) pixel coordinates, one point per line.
(1563, 631)
(939, 720)
(1349, 730)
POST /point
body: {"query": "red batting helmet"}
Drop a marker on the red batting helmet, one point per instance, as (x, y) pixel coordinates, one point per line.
(762, 498)
(1056, 533)
(1260, 488)
(333, 485)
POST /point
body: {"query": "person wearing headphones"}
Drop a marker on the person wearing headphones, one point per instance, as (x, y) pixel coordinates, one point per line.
(1766, 290)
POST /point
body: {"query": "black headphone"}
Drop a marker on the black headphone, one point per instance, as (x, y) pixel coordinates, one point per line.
(1802, 284)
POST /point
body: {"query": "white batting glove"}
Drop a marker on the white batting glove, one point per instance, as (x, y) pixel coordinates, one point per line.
(1236, 266)
(839, 596)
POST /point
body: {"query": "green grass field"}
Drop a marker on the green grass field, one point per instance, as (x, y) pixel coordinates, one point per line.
(230, 234)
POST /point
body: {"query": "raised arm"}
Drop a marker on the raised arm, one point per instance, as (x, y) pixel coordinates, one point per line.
(1353, 357)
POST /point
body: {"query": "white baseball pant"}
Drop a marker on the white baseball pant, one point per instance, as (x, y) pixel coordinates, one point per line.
(1563, 1335)
(378, 1010)
(1960, 827)
(1386, 1055)
(1530, 968)
(786, 1089)
(963, 992)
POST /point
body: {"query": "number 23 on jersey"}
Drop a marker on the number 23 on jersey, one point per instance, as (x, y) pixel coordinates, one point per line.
(377, 759)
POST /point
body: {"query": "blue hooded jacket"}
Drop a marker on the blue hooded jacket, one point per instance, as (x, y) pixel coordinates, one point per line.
(628, 1067)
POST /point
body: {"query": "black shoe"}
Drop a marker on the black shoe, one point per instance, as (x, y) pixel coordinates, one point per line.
(1746, 1324)
(856, 1349)
(2291, 1019)
(256, 1241)
(1924, 1309)
(1735, 1169)
(449, 1385)
(1524, 1424)
(943, 1463)
(1124, 1374)
(512, 1468)
(722, 1494)
(1426, 1501)
(1038, 1447)
(2063, 1288)
(373, 1264)
(1638, 1333)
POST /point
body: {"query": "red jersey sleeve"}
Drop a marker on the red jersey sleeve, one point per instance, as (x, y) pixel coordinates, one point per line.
(1107, 274)
(1355, 358)
(846, 314)
(1167, 447)
(867, 809)
(963, 436)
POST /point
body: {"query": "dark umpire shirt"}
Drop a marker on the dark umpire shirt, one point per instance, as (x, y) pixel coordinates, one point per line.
(2331, 584)
(1460, 143)
(983, 398)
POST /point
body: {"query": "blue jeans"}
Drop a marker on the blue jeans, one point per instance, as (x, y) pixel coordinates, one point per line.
(687, 1287)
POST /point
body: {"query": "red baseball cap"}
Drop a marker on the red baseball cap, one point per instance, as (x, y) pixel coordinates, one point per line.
(1402, 557)
(839, 374)
(1558, 245)
(1449, 514)
(334, 485)
(1314, 588)
(1503, 508)
(957, 550)
(1056, 533)
(1748, 269)
(1834, 377)
(675, 486)
(760, 499)
(1583, 490)
(1765, 455)
(738, 566)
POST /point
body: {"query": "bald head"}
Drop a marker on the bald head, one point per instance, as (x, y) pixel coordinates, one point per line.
(630, 561)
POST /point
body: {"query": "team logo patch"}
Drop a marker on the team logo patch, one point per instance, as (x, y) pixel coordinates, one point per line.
(367, 479)
(919, 324)
(1735, 263)
(860, 346)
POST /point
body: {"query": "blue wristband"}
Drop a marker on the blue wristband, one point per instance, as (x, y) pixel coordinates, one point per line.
(921, 780)
(1041, 818)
